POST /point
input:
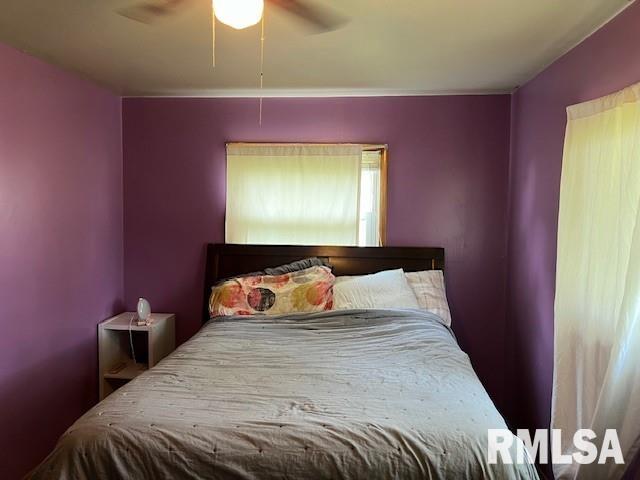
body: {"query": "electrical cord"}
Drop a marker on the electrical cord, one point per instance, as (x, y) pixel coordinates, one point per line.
(133, 353)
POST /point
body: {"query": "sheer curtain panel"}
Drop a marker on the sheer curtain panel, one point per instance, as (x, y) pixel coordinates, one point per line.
(597, 305)
(302, 194)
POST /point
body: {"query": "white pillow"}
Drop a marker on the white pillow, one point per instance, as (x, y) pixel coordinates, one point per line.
(428, 287)
(388, 289)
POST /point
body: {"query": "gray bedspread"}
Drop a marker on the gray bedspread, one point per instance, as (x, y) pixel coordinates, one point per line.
(376, 394)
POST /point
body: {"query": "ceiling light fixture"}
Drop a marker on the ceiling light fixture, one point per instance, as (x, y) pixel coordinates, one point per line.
(238, 14)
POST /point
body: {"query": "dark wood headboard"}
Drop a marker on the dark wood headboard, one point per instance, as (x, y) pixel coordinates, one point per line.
(224, 260)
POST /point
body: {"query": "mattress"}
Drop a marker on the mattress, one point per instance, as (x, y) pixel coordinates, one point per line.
(375, 394)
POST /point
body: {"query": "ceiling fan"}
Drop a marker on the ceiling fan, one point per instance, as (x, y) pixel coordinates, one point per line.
(240, 14)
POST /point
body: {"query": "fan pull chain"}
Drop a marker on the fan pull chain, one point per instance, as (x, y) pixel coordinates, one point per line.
(213, 35)
(261, 66)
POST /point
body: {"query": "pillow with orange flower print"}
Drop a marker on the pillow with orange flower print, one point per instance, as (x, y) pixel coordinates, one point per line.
(308, 290)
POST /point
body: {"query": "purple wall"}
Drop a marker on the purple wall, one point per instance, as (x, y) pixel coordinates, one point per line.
(447, 187)
(602, 64)
(60, 250)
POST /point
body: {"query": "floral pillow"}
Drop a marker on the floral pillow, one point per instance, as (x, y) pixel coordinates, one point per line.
(308, 290)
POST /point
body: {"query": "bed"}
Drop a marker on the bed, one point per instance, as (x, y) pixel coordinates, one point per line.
(354, 394)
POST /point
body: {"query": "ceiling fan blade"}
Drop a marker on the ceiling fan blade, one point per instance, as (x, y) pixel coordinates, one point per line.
(150, 11)
(321, 19)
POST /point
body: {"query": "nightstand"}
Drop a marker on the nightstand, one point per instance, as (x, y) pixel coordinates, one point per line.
(151, 343)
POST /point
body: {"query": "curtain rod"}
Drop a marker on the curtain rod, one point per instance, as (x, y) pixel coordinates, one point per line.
(365, 146)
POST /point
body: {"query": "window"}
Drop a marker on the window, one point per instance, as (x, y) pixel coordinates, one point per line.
(306, 194)
(369, 229)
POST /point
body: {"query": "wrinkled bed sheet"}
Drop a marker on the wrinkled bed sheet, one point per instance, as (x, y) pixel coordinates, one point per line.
(376, 394)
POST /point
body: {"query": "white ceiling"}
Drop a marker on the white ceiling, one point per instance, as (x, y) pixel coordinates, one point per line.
(389, 46)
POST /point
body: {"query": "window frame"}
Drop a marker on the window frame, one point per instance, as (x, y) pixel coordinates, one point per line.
(383, 148)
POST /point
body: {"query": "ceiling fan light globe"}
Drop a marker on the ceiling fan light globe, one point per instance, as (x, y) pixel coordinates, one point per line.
(238, 14)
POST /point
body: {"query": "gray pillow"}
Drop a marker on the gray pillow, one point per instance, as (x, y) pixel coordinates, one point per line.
(296, 266)
(286, 268)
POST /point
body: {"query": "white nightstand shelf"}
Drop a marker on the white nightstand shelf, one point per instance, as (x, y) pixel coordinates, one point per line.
(151, 344)
(126, 371)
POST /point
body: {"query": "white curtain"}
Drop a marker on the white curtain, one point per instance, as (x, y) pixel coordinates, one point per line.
(597, 305)
(301, 194)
